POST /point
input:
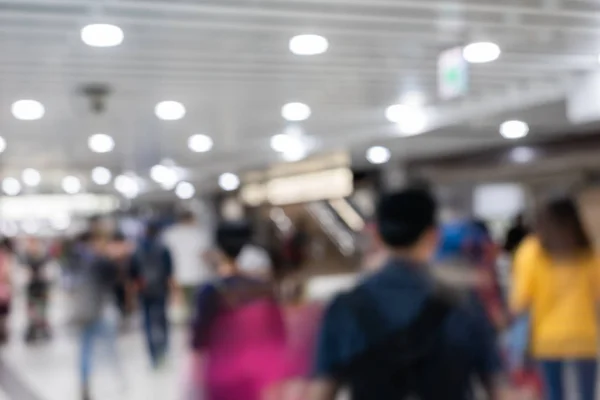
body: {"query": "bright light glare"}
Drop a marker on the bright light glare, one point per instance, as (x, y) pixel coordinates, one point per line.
(28, 110)
(414, 98)
(308, 45)
(295, 153)
(60, 222)
(11, 186)
(281, 142)
(410, 120)
(522, 155)
(101, 143)
(481, 52)
(169, 110)
(378, 155)
(185, 190)
(164, 175)
(229, 181)
(2, 144)
(31, 177)
(30, 227)
(101, 176)
(71, 184)
(127, 186)
(514, 129)
(295, 112)
(102, 35)
(200, 143)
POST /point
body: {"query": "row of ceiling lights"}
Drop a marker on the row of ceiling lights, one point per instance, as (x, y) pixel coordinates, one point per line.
(128, 184)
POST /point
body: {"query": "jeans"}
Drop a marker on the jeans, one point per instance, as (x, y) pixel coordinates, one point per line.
(553, 374)
(156, 326)
(101, 329)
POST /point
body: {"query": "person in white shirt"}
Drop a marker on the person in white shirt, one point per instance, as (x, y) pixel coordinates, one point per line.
(188, 242)
(255, 261)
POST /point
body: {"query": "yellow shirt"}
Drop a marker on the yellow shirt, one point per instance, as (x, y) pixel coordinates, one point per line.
(561, 297)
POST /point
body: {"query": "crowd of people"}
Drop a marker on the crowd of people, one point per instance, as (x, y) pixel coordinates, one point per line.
(429, 318)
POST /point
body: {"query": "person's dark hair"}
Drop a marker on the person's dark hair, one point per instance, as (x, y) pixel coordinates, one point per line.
(119, 237)
(231, 237)
(153, 229)
(403, 217)
(7, 244)
(186, 216)
(560, 229)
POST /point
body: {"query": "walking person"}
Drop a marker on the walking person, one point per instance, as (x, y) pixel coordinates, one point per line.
(238, 331)
(152, 270)
(557, 282)
(6, 266)
(401, 334)
(188, 242)
(95, 311)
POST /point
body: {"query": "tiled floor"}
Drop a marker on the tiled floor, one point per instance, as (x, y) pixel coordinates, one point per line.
(50, 370)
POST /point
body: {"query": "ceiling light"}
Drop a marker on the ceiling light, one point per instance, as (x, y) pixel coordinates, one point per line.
(101, 143)
(409, 119)
(378, 155)
(281, 142)
(31, 177)
(71, 184)
(11, 186)
(127, 186)
(169, 110)
(308, 45)
(101, 176)
(200, 143)
(102, 35)
(481, 52)
(2, 144)
(166, 176)
(28, 110)
(185, 190)
(295, 112)
(295, 153)
(522, 155)
(229, 181)
(514, 129)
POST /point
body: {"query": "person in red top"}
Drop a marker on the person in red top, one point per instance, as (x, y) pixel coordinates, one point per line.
(6, 262)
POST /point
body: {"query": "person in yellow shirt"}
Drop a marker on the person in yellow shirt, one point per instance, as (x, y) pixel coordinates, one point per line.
(556, 280)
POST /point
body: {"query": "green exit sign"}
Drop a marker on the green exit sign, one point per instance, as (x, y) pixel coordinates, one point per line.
(453, 74)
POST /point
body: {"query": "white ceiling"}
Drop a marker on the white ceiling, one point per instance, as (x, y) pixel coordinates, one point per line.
(228, 62)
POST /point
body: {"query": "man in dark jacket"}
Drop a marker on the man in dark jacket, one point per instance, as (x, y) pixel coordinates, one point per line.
(401, 334)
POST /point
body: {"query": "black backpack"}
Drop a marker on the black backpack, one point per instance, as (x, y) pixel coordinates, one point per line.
(404, 364)
(153, 271)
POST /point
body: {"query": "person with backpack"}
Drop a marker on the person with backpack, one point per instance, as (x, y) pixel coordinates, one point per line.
(402, 333)
(152, 269)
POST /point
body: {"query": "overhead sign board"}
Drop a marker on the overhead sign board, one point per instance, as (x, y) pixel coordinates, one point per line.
(453, 74)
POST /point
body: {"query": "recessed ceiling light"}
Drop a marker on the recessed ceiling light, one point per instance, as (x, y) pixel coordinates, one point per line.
(31, 177)
(481, 52)
(522, 155)
(11, 186)
(308, 45)
(281, 142)
(166, 176)
(2, 144)
(101, 143)
(102, 35)
(514, 129)
(28, 110)
(200, 143)
(378, 155)
(185, 190)
(71, 184)
(295, 112)
(169, 110)
(409, 119)
(295, 153)
(101, 176)
(229, 181)
(127, 186)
